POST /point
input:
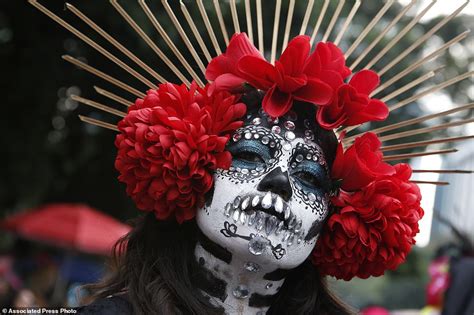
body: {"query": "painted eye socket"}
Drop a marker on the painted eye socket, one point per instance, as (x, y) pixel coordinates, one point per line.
(308, 179)
(248, 156)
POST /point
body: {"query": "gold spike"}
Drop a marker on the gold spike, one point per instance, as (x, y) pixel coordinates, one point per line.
(149, 42)
(422, 39)
(382, 34)
(443, 171)
(98, 123)
(432, 90)
(248, 15)
(408, 86)
(348, 21)
(429, 182)
(399, 36)
(261, 44)
(276, 24)
(93, 44)
(235, 16)
(104, 76)
(406, 156)
(217, 7)
(169, 42)
(420, 62)
(289, 20)
(195, 31)
(414, 121)
(209, 28)
(183, 35)
(307, 15)
(113, 96)
(114, 42)
(332, 22)
(97, 105)
(413, 132)
(417, 144)
(368, 28)
(320, 19)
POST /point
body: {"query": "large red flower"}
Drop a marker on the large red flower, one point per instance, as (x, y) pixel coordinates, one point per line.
(372, 230)
(170, 142)
(295, 76)
(352, 105)
(223, 70)
(360, 164)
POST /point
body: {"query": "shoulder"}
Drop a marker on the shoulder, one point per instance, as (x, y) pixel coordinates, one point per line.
(108, 306)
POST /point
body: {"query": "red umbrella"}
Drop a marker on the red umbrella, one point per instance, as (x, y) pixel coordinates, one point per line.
(73, 226)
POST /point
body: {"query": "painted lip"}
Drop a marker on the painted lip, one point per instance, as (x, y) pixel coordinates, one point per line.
(267, 213)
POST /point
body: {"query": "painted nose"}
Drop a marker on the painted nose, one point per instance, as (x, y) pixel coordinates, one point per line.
(277, 182)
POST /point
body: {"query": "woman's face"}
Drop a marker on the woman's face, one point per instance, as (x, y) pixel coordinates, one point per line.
(269, 206)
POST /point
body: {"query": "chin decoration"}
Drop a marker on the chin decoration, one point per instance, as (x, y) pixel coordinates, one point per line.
(174, 137)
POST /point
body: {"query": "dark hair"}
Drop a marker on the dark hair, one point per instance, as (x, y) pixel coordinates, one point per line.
(158, 271)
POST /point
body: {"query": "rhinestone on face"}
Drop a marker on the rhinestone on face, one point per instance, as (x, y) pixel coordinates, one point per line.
(271, 161)
(276, 130)
(258, 245)
(248, 135)
(268, 285)
(293, 165)
(256, 136)
(289, 125)
(241, 292)
(257, 121)
(307, 123)
(251, 266)
(299, 158)
(236, 137)
(272, 144)
(265, 140)
(312, 197)
(290, 135)
(245, 171)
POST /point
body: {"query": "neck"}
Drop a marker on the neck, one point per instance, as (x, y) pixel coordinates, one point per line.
(237, 286)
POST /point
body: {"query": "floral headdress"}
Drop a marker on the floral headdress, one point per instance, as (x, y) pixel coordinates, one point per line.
(174, 137)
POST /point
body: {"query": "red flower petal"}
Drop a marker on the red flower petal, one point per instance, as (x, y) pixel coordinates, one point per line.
(365, 81)
(316, 92)
(259, 73)
(293, 59)
(276, 103)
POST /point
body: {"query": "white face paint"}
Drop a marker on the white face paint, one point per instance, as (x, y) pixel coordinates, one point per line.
(269, 206)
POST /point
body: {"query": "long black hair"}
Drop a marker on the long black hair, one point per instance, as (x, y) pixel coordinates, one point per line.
(156, 268)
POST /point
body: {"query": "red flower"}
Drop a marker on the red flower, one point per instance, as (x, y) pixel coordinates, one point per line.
(361, 163)
(223, 70)
(372, 230)
(296, 76)
(170, 142)
(351, 104)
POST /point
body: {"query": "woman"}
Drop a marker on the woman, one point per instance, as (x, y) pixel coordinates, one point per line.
(238, 206)
(240, 255)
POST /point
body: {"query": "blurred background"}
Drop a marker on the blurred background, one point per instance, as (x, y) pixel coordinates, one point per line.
(50, 157)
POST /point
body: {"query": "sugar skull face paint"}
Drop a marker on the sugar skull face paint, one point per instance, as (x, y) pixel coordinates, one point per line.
(269, 206)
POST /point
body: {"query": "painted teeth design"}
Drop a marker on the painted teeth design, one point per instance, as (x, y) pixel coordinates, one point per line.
(227, 209)
(243, 218)
(237, 202)
(255, 201)
(267, 200)
(287, 212)
(279, 228)
(272, 222)
(245, 210)
(252, 216)
(245, 203)
(236, 215)
(278, 204)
